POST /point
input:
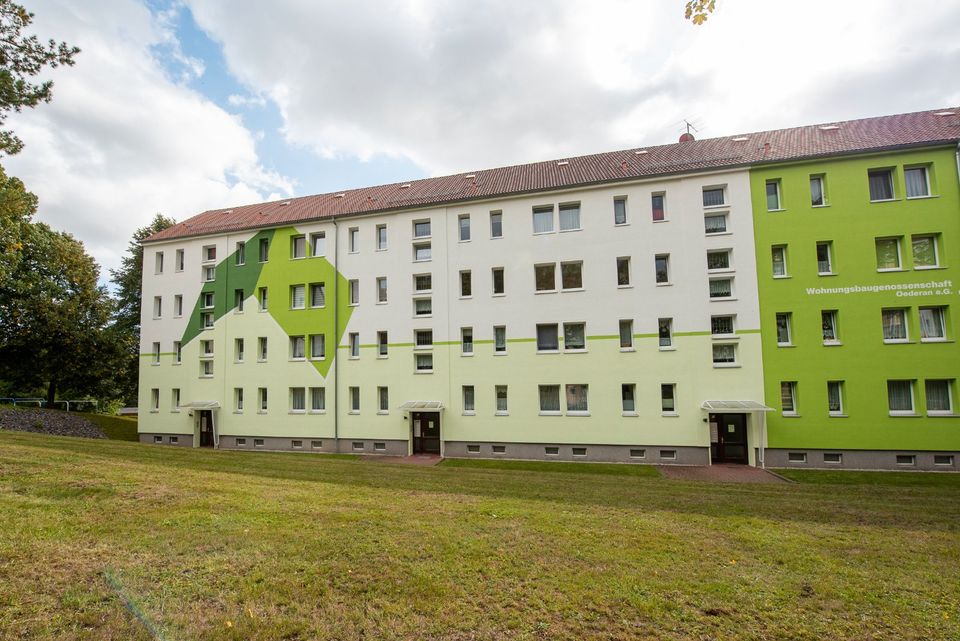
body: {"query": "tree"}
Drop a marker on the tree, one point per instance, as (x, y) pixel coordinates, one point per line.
(128, 280)
(697, 11)
(17, 207)
(21, 58)
(55, 320)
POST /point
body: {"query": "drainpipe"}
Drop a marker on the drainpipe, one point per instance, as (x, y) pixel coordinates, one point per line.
(957, 154)
(336, 338)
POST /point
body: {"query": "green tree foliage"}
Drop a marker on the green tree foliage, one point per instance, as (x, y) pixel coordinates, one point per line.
(55, 320)
(21, 58)
(127, 280)
(697, 11)
(17, 207)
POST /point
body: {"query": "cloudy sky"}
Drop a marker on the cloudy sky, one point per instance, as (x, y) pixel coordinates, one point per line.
(177, 106)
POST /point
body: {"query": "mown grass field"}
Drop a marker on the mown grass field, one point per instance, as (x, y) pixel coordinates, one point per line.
(237, 545)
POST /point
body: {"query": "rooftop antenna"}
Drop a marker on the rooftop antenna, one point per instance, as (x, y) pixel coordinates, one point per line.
(688, 136)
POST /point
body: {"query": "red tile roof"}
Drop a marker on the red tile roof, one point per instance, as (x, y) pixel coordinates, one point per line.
(922, 128)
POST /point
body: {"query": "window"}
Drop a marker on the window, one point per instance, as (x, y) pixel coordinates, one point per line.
(297, 297)
(264, 250)
(353, 240)
(569, 216)
(658, 203)
(721, 288)
(888, 254)
(262, 348)
(551, 450)
(835, 398)
(423, 307)
(298, 399)
(824, 258)
(262, 398)
(354, 342)
(207, 320)
(900, 397)
(943, 459)
(318, 346)
(498, 284)
(238, 350)
(238, 298)
(788, 397)
(177, 352)
(422, 252)
(721, 326)
(773, 195)
(354, 399)
(318, 399)
(155, 399)
(383, 400)
(297, 347)
(577, 399)
(661, 264)
(209, 274)
(543, 219)
(156, 353)
(797, 457)
(206, 348)
(668, 402)
(466, 284)
(571, 275)
(158, 263)
(318, 244)
(423, 363)
(318, 294)
(828, 322)
(906, 459)
(835, 458)
(881, 184)
(381, 237)
(817, 194)
(469, 400)
(263, 299)
(784, 334)
(574, 336)
(724, 354)
(422, 283)
(925, 252)
(931, 324)
(939, 396)
(894, 325)
(665, 331)
(779, 255)
(545, 277)
(354, 292)
(206, 300)
(496, 224)
(549, 399)
(620, 211)
(178, 306)
(626, 334)
(466, 340)
(178, 260)
(238, 399)
(715, 224)
(422, 338)
(421, 229)
(209, 253)
(500, 391)
(713, 197)
(718, 259)
(638, 453)
(917, 181)
(623, 271)
(464, 226)
(157, 306)
(298, 247)
(547, 337)
(382, 344)
(500, 339)
(628, 398)
(382, 289)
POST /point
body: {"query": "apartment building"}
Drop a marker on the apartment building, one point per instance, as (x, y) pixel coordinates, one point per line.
(606, 307)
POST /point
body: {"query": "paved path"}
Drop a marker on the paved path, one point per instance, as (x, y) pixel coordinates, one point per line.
(417, 459)
(720, 473)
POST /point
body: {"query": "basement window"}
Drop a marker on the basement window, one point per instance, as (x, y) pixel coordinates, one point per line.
(297, 445)
(357, 446)
(551, 451)
(241, 442)
(638, 454)
(835, 458)
(499, 449)
(258, 442)
(174, 440)
(473, 449)
(797, 457)
(579, 451)
(906, 459)
(316, 445)
(158, 439)
(380, 447)
(668, 455)
(943, 459)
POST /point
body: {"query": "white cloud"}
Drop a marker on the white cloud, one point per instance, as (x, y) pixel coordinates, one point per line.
(455, 85)
(236, 100)
(122, 140)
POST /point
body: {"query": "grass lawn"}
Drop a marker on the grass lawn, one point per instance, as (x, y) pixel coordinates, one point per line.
(244, 545)
(118, 428)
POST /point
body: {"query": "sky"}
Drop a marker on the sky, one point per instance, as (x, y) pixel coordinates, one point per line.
(178, 106)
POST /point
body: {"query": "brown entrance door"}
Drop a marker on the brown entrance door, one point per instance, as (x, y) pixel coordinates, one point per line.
(730, 445)
(206, 428)
(426, 432)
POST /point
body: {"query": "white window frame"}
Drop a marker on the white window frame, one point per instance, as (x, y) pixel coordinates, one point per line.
(789, 325)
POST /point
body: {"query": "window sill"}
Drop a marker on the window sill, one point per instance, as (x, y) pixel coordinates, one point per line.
(177, 363)
(716, 207)
(383, 412)
(837, 415)
(496, 295)
(468, 413)
(206, 376)
(624, 350)
(238, 411)
(886, 200)
(942, 415)
(819, 206)
(353, 358)
(501, 413)
(423, 260)
(354, 412)
(660, 220)
(545, 291)
(578, 413)
(782, 277)
(418, 239)
(297, 412)
(926, 268)
(670, 414)
(423, 316)
(832, 343)
(774, 211)
(466, 354)
(318, 411)
(726, 365)
(382, 357)
(935, 340)
(318, 306)
(624, 224)
(897, 341)
(470, 297)
(262, 412)
(720, 299)
(717, 233)
(928, 196)
(664, 284)
(548, 351)
(263, 310)
(624, 286)
(261, 360)
(724, 337)
(629, 414)
(155, 364)
(380, 249)
(423, 371)
(825, 274)
(790, 415)
(904, 415)
(890, 270)
(381, 302)
(567, 290)
(318, 359)
(578, 350)
(785, 345)
(543, 233)
(564, 231)
(543, 413)
(297, 360)
(666, 348)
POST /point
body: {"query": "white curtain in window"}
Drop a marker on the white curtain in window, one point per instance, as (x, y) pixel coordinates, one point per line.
(712, 197)
(569, 217)
(318, 398)
(888, 253)
(297, 398)
(297, 296)
(816, 191)
(829, 326)
(626, 333)
(468, 402)
(500, 338)
(573, 336)
(318, 296)
(318, 346)
(715, 224)
(576, 398)
(297, 346)
(900, 395)
(833, 397)
(938, 396)
(542, 221)
(916, 179)
(880, 186)
(894, 325)
(549, 398)
(724, 353)
(501, 398)
(719, 288)
(931, 322)
(924, 251)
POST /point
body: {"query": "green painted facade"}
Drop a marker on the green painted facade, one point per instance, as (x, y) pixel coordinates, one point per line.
(858, 292)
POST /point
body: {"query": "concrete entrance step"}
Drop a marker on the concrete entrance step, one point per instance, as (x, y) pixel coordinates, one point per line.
(720, 473)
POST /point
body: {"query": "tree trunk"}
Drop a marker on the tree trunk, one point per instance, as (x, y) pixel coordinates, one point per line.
(51, 392)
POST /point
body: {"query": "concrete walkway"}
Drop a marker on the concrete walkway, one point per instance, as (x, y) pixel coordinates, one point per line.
(720, 473)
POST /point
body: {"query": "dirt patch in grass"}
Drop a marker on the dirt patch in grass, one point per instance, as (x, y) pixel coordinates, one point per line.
(53, 422)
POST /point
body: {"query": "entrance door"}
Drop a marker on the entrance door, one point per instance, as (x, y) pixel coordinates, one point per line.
(426, 432)
(206, 428)
(730, 445)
